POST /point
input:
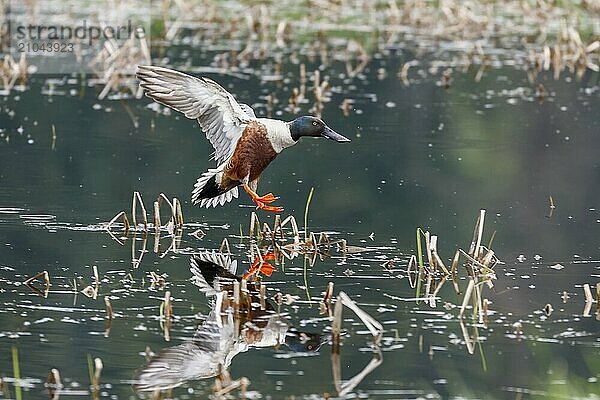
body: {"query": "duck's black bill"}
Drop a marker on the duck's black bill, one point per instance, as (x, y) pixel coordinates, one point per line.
(333, 135)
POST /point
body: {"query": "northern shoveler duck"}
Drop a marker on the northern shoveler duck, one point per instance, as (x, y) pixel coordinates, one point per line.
(244, 144)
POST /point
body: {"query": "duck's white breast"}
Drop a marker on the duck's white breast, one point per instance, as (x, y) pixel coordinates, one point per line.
(278, 133)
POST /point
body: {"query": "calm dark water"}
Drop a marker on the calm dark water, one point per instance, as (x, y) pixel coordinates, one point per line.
(420, 156)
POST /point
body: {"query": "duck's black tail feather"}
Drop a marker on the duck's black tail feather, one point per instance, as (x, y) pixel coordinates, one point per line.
(207, 191)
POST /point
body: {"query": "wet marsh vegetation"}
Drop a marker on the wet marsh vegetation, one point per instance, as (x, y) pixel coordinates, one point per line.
(458, 228)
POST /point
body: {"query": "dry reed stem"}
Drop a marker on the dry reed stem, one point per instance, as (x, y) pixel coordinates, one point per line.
(38, 275)
(254, 224)
(54, 379)
(168, 308)
(292, 221)
(430, 267)
(90, 292)
(278, 227)
(179, 214)
(477, 235)
(436, 257)
(336, 326)
(135, 262)
(241, 383)
(53, 145)
(467, 297)
(122, 215)
(436, 291)
(224, 246)
(97, 371)
(346, 387)
(328, 293)
(412, 276)
(468, 342)
(109, 309)
(96, 276)
(137, 198)
(371, 323)
(157, 222)
(589, 298)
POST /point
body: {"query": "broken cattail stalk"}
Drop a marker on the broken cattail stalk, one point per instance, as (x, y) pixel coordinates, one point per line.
(96, 276)
(588, 293)
(454, 270)
(168, 308)
(97, 371)
(313, 242)
(157, 222)
(90, 291)
(241, 383)
(428, 284)
(371, 323)
(137, 198)
(116, 217)
(38, 275)
(137, 261)
(53, 146)
(436, 291)
(467, 338)
(277, 226)
(291, 220)
(163, 197)
(478, 301)
(56, 378)
(485, 309)
(440, 263)
(225, 246)
(109, 309)
(467, 297)
(328, 293)
(430, 261)
(336, 326)
(174, 207)
(179, 214)
(244, 382)
(254, 223)
(324, 239)
(346, 107)
(476, 243)
(412, 275)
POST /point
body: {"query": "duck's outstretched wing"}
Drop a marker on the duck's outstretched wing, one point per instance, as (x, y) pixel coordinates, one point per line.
(209, 268)
(198, 358)
(220, 116)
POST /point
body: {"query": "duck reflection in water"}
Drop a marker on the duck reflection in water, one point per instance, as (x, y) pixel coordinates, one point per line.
(225, 332)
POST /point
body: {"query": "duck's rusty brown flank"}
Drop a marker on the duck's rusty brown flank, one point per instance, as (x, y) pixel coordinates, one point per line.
(252, 154)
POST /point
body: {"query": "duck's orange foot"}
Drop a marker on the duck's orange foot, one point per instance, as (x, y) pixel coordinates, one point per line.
(263, 201)
(267, 198)
(261, 267)
(262, 206)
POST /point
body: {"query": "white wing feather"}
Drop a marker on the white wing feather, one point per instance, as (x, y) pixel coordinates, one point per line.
(220, 116)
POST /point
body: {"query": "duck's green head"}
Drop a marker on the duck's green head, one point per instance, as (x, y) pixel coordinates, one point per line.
(313, 127)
